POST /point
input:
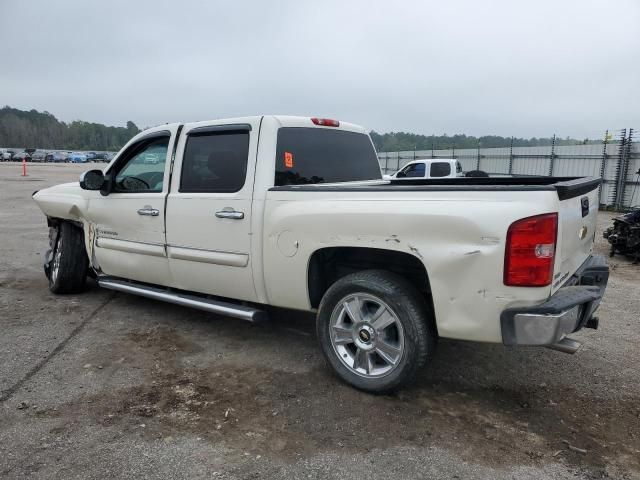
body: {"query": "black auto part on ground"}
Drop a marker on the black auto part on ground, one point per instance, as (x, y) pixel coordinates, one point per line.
(624, 235)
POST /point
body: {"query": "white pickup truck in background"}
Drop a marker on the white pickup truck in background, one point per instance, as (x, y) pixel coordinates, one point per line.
(293, 212)
(428, 168)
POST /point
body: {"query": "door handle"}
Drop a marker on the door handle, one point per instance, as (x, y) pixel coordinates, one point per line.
(230, 214)
(151, 212)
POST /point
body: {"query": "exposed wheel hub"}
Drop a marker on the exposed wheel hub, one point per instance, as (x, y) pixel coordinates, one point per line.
(365, 334)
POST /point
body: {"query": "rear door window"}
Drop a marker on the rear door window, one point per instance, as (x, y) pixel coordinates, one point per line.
(440, 169)
(215, 162)
(323, 155)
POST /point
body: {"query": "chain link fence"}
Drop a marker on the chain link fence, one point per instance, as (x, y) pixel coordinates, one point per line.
(615, 160)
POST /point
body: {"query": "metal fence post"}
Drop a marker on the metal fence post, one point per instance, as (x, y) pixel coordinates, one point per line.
(398, 162)
(603, 162)
(552, 158)
(478, 159)
(386, 164)
(511, 157)
(625, 169)
(617, 197)
(432, 149)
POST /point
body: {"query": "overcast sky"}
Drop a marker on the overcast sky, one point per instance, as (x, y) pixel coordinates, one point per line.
(477, 67)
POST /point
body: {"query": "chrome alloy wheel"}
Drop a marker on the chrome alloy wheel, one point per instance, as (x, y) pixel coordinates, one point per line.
(57, 255)
(367, 335)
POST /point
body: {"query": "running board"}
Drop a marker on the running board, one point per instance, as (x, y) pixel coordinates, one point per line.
(187, 300)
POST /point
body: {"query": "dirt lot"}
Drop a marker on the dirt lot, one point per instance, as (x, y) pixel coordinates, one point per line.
(110, 385)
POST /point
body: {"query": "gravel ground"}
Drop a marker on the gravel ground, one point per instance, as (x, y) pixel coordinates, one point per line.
(106, 384)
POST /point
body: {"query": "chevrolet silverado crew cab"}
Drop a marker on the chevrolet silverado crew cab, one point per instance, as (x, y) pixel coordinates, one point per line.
(293, 212)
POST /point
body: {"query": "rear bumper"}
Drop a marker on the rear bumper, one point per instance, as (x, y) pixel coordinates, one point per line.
(567, 311)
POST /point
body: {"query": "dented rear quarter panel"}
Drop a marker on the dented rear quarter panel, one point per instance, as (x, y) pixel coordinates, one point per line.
(458, 236)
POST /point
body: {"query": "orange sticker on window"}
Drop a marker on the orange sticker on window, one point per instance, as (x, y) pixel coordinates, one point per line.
(288, 159)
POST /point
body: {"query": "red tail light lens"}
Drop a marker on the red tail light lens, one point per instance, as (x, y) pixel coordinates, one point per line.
(326, 122)
(530, 251)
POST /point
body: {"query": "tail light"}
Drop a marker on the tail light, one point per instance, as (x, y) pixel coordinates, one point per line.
(530, 251)
(326, 122)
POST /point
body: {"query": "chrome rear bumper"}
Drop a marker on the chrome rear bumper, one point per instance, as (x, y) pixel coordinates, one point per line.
(568, 310)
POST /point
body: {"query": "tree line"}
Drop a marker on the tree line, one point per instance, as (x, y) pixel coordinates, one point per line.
(402, 141)
(33, 129)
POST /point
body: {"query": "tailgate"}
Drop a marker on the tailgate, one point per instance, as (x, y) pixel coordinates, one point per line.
(576, 230)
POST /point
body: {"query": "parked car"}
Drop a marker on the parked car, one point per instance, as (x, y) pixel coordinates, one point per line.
(38, 156)
(90, 156)
(101, 157)
(76, 157)
(56, 157)
(20, 156)
(8, 155)
(293, 212)
(428, 168)
(151, 158)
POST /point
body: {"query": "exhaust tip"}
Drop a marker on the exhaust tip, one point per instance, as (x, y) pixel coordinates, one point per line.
(566, 345)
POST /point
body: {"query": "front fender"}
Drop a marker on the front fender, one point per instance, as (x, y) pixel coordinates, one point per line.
(66, 201)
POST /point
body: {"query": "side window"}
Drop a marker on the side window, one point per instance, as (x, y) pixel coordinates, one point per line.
(440, 169)
(215, 162)
(143, 167)
(458, 167)
(406, 169)
(417, 170)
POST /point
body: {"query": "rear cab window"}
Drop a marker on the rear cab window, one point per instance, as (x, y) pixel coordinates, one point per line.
(324, 155)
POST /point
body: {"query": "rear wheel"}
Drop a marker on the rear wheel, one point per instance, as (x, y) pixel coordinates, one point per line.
(375, 330)
(69, 263)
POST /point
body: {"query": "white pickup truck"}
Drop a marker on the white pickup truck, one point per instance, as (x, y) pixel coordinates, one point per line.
(293, 212)
(428, 168)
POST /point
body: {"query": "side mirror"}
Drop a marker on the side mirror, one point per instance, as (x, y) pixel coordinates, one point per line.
(401, 175)
(92, 180)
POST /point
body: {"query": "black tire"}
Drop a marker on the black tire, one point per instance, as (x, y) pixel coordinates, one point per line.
(412, 312)
(69, 262)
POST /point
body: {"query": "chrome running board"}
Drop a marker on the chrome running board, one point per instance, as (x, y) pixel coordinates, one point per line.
(185, 299)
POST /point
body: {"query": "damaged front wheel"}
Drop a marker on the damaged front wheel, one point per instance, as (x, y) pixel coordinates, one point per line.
(67, 270)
